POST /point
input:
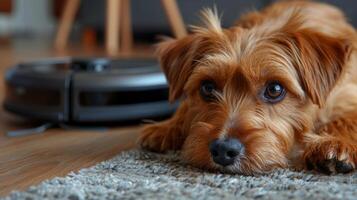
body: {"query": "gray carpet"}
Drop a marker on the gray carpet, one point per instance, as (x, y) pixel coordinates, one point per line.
(142, 175)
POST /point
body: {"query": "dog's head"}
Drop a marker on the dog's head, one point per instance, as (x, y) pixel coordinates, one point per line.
(249, 91)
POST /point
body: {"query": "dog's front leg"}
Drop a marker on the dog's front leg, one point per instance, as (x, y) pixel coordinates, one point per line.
(166, 135)
(333, 148)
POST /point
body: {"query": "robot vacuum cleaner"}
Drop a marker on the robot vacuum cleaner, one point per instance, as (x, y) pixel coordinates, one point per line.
(74, 90)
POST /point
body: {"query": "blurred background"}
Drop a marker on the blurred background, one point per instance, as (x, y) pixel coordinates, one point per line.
(32, 24)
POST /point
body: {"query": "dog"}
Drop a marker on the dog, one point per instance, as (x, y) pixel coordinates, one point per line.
(276, 90)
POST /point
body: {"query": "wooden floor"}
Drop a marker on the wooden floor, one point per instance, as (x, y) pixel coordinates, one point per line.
(28, 160)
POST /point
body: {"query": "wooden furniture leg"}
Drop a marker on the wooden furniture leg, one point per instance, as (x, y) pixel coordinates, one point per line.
(174, 16)
(89, 38)
(112, 26)
(126, 28)
(66, 23)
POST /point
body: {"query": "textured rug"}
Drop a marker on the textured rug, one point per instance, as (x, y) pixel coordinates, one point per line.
(142, 175)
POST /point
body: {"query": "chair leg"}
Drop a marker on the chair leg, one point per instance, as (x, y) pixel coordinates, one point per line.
(174, 17)
(112, 26)
(126, 28)
(89, 38)
(66, 23)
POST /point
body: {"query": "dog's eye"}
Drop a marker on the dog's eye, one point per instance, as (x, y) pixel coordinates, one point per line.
(274, 92)
(207, 90)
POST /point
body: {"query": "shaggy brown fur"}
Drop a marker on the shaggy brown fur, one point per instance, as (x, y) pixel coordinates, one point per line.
(307, 47)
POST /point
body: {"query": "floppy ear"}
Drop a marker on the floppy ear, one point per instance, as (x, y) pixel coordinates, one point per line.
(320, 63)
(178, 58)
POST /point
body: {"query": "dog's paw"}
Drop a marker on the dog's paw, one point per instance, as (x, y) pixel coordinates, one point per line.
(159, 137)
(330, 157)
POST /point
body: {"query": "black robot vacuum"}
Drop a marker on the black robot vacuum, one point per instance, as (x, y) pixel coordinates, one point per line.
(71, 90)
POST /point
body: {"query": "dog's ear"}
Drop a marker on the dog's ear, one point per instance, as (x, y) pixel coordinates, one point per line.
(178, 58)
(320, 62)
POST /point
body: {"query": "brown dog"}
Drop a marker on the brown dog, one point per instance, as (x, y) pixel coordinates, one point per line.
(277, 89)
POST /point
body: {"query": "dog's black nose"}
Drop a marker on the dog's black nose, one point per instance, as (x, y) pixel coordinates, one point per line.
(224, 151)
